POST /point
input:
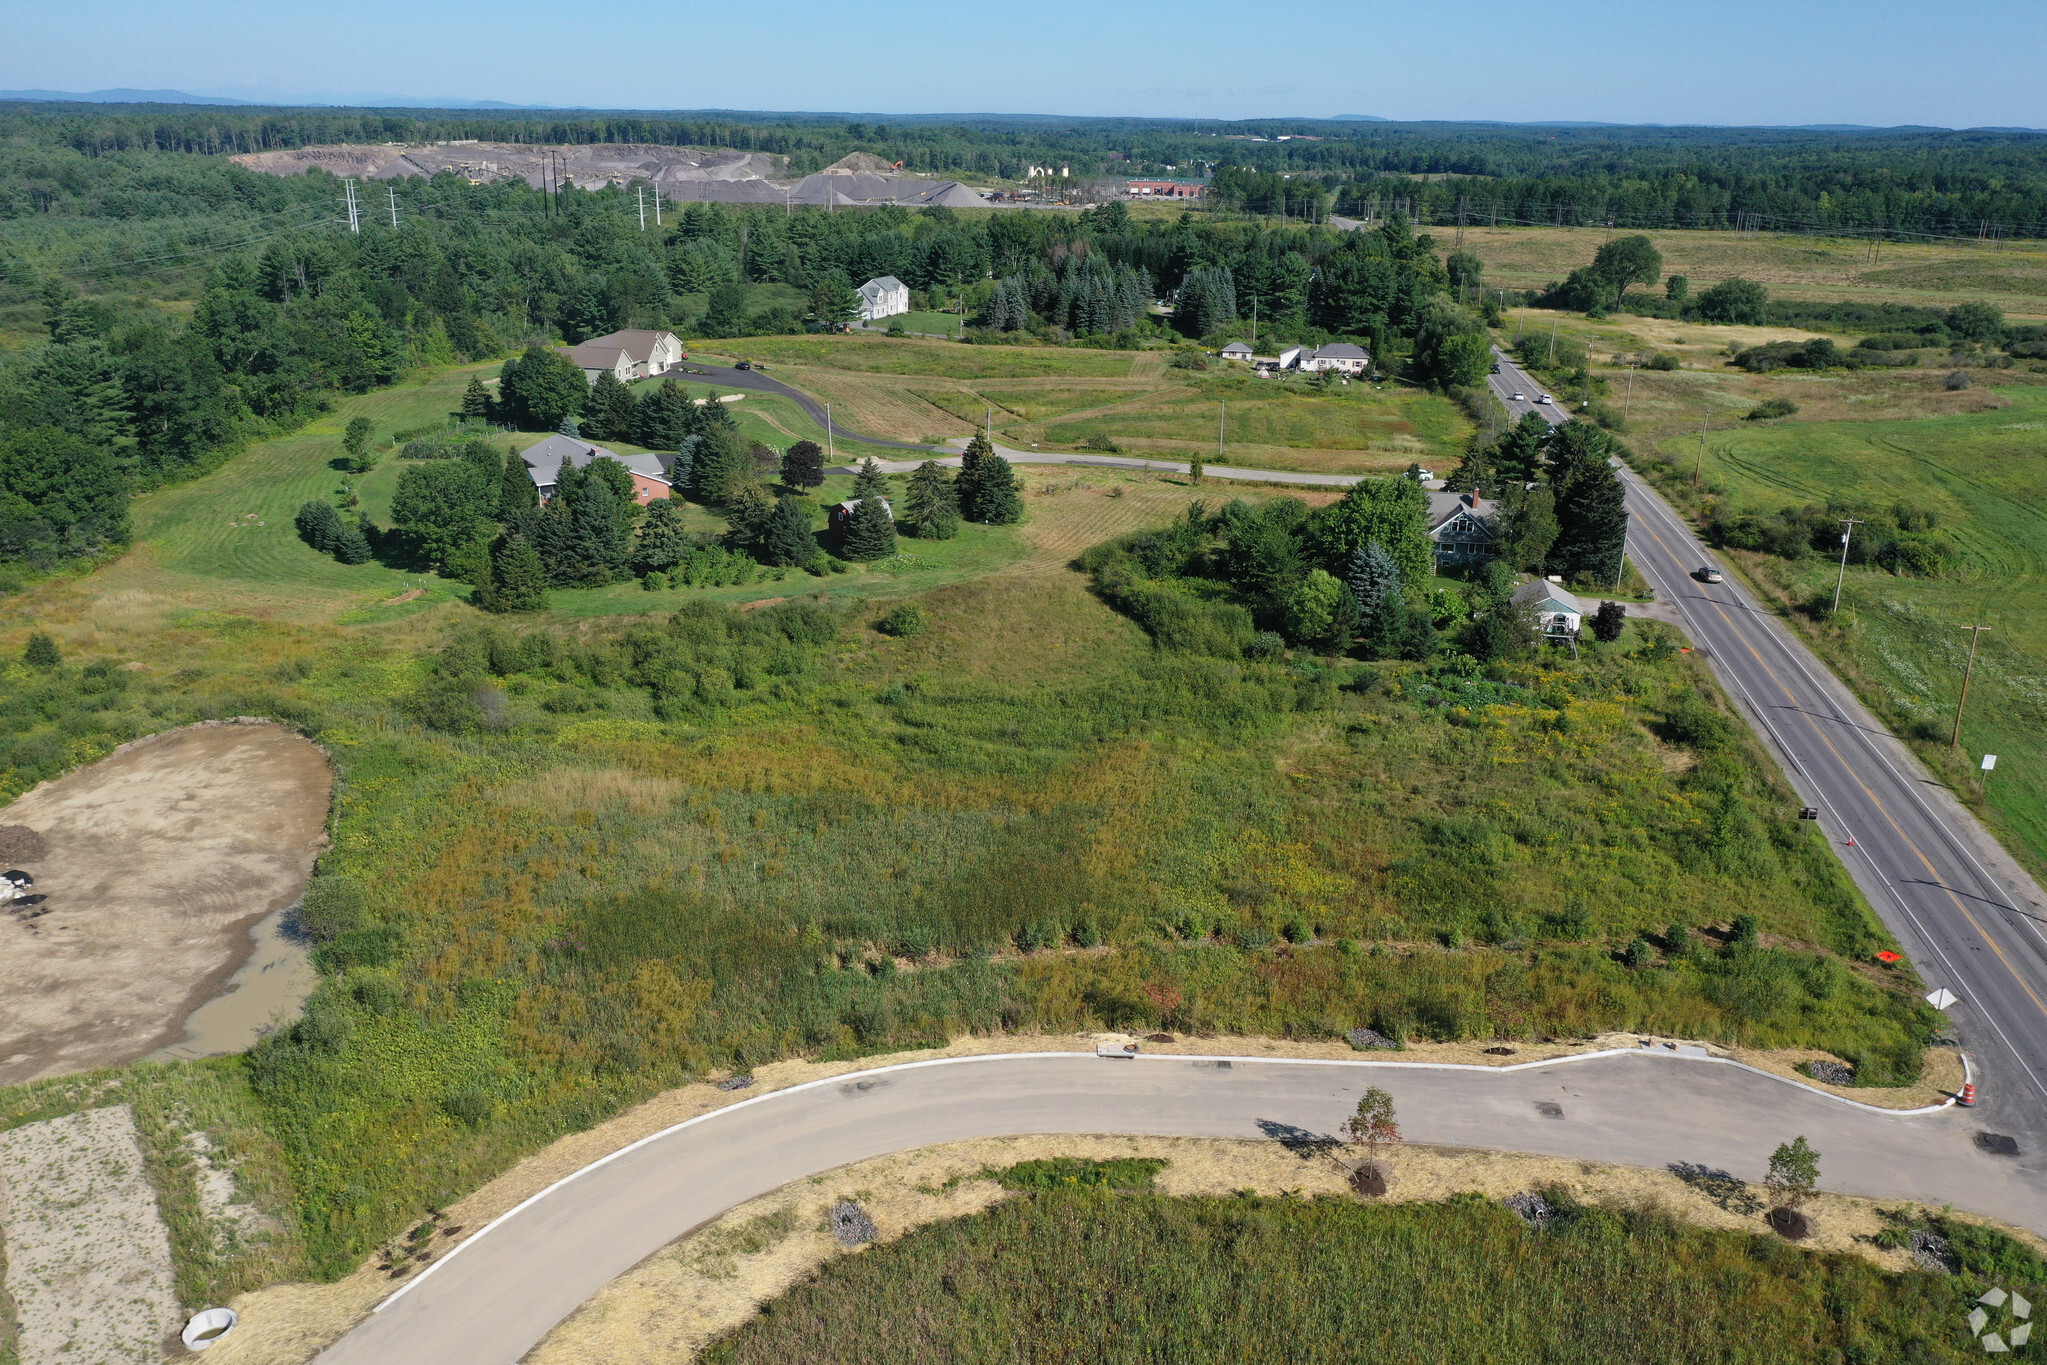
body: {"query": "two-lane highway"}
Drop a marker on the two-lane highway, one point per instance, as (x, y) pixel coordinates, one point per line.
(1970, 919)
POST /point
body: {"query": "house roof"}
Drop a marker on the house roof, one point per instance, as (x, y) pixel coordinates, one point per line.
(1237, 348)
(885, 284)
(637, 342)
(850, 504)
(1541, 593)
(544, 461)
(1444, 507)
(1342, 350)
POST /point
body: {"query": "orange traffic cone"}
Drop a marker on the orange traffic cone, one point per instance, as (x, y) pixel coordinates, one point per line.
(1967, 1099)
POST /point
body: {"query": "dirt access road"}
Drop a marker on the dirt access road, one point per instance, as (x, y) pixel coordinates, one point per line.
(158, 859)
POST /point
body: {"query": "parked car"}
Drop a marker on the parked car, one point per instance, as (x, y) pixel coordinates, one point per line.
(1708, 574)
(742, 364)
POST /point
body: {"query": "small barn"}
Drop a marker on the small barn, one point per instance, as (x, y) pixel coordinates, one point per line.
(841, 515)
(1557, 613)
(1237, 350)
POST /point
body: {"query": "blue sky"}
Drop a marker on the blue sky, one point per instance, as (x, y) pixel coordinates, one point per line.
(1957, 64)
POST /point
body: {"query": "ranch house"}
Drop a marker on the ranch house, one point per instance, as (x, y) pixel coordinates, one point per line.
(544, 461)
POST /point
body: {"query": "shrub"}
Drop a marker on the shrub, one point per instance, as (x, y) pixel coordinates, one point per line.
(1769, 408)
(332, 907)
(1103, 442)
(1957, 381)
(1640, 953)
(1066, 1172)
(41, 651)
(901, 621)
(1662, 360)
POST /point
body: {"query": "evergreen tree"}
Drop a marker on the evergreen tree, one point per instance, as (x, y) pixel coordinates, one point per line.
(518, 580)
(1345, 623)
(1518, 457)
(612, 412)
(963, 488)
(1372, 576)
(1591, 509)
(571, 426)
(319, 525)
(787, 538)
(663, 419)
(869, 481)
(41, 651)
(1528, 526)
(803, 465)
(870, 532)
(933, 503)
(476, 399)
(997, 499)
(721, 467)
(834, 302)
(662, 541)
(516, 492)
(352, 546)
(584, 534)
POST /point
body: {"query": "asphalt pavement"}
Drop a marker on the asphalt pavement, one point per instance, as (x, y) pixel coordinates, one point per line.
(491, 1300)
(1967, 915)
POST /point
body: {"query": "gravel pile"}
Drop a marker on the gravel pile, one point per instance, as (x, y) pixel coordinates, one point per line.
(1831, 1073)
(20, 844)
(1532, 1207)
(1367, 1040)
(851, 1225)
(739, 1082)
(1930, 1251)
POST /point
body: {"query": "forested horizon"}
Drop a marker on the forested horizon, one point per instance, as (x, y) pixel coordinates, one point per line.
(1903, 181)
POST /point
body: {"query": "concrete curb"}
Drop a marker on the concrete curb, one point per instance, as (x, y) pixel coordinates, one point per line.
(844, 1077)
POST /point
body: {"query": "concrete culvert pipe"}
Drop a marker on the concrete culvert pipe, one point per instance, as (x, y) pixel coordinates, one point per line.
(208, 1327)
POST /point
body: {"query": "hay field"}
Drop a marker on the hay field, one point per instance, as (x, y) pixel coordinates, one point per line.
(1934, 275)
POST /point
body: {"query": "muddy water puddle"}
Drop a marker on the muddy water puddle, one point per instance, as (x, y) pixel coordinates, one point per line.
(268, 990)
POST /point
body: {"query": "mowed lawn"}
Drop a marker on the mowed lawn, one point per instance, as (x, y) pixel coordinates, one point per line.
(1982, 475)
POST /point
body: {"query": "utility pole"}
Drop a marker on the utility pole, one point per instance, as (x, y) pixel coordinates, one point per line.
(831, 453)
(392, 190)
(1254, 323)
(1552, 341)
(1700, 463)
(1975, 633)
(1629, 401)
(1222, 422)
(1622, 567)
(354, 224)
(657, 207)
(1839, 578)
(640, 192)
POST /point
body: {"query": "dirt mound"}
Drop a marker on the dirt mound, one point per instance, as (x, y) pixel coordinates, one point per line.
(157, 859)
(854, 163)
(20, 844)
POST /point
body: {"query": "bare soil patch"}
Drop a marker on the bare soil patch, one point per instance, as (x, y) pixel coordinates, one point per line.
(158, 859)
(88, 1259)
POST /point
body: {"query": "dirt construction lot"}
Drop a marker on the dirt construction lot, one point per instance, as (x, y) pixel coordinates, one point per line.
(156, 861)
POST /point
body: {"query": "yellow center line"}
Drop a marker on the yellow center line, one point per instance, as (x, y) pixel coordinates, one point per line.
(1874, 800)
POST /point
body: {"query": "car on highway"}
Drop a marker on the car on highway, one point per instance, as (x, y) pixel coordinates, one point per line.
(1521, 398)
(1542, 398)
(1706, 573)
(1496, 367)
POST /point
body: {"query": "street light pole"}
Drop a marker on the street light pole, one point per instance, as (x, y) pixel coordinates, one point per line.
(1851, 523)
(1700, 463)
(1975, 633)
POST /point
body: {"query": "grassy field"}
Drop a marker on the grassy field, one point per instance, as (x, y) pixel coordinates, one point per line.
(1139, 1277)
(945, 324)
(1936, 275)
(1134, 400)
(595, 857)
(1900, 638)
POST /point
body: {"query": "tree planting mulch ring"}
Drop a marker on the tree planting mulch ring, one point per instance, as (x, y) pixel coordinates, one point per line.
(1160, 1038)
(1789, 1224)
(1369, 1180)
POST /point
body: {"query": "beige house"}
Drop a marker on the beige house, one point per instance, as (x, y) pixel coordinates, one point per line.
(632, 354)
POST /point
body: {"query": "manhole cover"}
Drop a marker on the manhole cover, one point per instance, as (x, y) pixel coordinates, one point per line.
(1997, 1144)
(1549, 1109)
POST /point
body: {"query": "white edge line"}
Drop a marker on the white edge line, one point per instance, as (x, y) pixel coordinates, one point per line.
(844, 1077)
